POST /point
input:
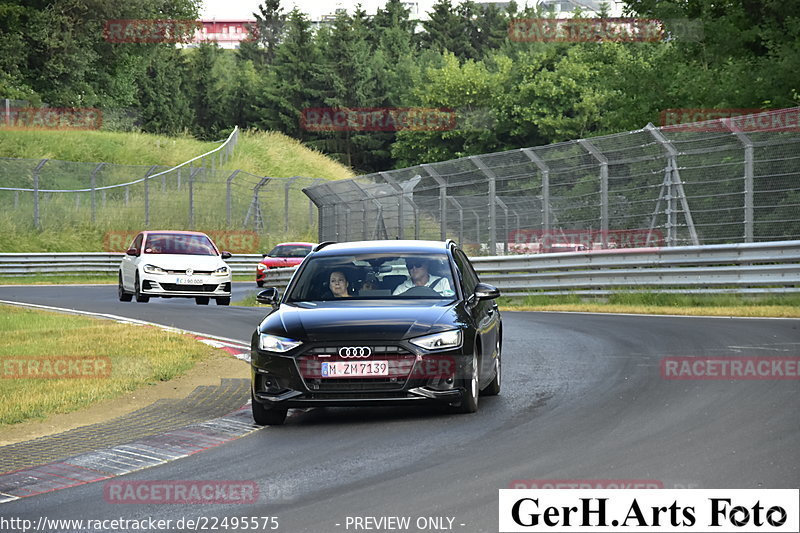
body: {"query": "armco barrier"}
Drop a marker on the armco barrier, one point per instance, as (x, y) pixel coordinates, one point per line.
(88, 263)
(741, 268)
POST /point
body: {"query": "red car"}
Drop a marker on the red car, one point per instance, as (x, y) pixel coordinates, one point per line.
(285, 254)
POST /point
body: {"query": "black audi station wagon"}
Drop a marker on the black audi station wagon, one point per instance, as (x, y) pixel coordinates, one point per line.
(377, 323)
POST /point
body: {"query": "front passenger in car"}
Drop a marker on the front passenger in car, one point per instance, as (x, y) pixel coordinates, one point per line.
(338, 284)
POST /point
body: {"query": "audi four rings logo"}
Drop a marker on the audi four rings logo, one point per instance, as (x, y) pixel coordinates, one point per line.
(355, 351)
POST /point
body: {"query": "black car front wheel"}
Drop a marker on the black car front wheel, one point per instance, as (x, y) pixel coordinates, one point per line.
(493, 389)
(263, 416)
(224, 301)
(201, 300)
(471, 386)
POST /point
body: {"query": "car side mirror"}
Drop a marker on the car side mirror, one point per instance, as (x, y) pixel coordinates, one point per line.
(226, 255)
(269, 296)
(132, 251)
(484, 291)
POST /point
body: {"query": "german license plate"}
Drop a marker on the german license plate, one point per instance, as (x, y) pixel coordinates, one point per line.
(355, 369)
(189, 281)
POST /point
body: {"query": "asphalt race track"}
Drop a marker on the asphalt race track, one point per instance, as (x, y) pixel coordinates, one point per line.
(582, 399)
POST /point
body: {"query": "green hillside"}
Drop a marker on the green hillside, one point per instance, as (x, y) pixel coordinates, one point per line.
(66, 219)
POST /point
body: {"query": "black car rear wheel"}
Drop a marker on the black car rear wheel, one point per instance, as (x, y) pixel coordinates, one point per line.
(264, 416)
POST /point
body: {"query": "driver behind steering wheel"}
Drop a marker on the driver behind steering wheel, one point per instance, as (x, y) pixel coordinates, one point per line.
(419, 276)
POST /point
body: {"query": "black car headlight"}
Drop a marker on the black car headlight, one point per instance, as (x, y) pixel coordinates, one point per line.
(274, 343)
(446, 340)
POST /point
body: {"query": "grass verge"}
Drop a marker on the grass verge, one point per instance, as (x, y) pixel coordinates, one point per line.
(35, 340)
(784, 306)
(249, 301)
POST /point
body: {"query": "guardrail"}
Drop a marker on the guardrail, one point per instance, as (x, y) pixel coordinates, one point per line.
(769, 267)
(91, 263)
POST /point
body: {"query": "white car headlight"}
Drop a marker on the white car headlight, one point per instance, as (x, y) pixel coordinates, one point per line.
(273, 343)
(445, 340)
(152, 269)
(221, 271)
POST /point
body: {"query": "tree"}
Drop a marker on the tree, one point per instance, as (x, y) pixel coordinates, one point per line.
(451, 29)
(204, 97)
(269, 27)
(163, 100)
(293, 83)
(349, 72)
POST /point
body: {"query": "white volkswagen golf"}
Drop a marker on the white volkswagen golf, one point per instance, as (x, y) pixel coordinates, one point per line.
(174, 264)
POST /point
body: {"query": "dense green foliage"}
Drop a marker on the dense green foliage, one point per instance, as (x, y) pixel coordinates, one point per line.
(506, 94)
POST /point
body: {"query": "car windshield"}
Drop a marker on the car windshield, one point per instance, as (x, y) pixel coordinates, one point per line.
(290, 250)
(374, 276)
(179, 243)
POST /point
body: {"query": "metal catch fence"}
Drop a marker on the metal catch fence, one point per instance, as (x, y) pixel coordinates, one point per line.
(198, 194)
(713, 182)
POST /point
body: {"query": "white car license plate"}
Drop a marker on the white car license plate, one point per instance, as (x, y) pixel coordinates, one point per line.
(189, 281)
(355, 369)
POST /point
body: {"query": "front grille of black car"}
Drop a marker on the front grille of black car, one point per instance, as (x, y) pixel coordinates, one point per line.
(401, 361)
(175, 287)
(356, 395)
(356, 384)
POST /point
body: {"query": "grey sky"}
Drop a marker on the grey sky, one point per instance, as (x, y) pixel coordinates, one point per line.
(243, 9)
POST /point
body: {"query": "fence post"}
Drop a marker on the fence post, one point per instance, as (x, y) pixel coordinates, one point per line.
(442, 198)
(228, 196)
(675, 186)
(94, 190)
(603, 160)
(192, 174)
(460, 220)
(255, 208)
(504, 207)
(147, 195)
(311, 206)
(492, 207)
(286, 187)
(545, 171)
(400, 212)
(748, 178)
(36, 221)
